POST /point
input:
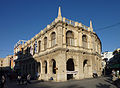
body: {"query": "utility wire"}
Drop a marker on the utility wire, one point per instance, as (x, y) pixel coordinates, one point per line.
(107, 27)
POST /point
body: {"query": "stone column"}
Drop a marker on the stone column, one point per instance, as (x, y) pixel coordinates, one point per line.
(59, 36)
(89, 42)
(81, 74)
(80, 39)
(76, 65)
(42, 44)
(49, 40)
(64, 36)
(61, 74)
(48, 67)
(75, 38)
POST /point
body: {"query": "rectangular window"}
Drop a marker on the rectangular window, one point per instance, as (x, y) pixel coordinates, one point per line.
(1, 64)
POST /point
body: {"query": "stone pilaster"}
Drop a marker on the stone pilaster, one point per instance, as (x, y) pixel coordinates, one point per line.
(80, 39)
(60, 35)
(64, 36)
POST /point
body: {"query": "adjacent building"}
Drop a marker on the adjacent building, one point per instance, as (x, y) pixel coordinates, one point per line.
(114, 62)
(106, 56)
(5, 62)
(63, 50)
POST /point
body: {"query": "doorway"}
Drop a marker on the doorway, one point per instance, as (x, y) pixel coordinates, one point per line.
(70, 69)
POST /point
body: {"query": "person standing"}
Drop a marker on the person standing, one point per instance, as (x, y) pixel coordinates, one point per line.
(95, 74)
(28, 78)
(3, 81)
(19, 79)
(114, 75)
(117, 73)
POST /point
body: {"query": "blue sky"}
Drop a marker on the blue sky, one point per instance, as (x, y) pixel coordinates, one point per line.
(23, 19)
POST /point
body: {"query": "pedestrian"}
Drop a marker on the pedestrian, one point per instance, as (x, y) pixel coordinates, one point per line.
(114, 76)
(23, 78)
(28, 78)
(113, 73)
(117, 73)
(37, 75)
(18, 79)
(3, 80)
(95, 74)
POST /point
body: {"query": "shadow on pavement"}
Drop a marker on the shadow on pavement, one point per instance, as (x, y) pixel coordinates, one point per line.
(100, 85)
(37, 81)
(116, 82)
(109, 80)
(75, 86)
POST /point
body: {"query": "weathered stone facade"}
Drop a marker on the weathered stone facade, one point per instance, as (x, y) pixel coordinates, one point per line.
(5, 62)
(63, 50)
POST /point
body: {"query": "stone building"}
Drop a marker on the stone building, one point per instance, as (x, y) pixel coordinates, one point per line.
(114, 62)
(5, 62)
(63, 50)
(106, 56)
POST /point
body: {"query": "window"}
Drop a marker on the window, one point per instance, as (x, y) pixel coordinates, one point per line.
(53, 39)
(33, 49)
(85, 63)
(69, 38)
(54, 66)
(39, 67)
(39, 46)
(84, 41)
(45, 67)
(45, 43)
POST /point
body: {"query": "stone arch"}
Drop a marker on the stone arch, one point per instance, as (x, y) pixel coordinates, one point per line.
(85, 62)
(69, 38)
(86, 68)
(70, 65)
(53, 63)
(70, 68)
(53, 39)
(39, 67)
(45, 66)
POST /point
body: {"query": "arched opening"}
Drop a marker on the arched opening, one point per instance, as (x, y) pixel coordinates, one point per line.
(85, 63)
(53, 39)
(84, 41)
(53, 66)
(69, 38)
(85, 68)
(39, 46)
(34, 49)
(70, 69)
(39, 67)
(45, 67)
(45, 43)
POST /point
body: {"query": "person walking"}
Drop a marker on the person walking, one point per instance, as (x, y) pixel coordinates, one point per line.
(3, 80)
(18, 79)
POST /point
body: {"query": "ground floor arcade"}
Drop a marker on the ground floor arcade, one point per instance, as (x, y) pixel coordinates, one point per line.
(62, 65)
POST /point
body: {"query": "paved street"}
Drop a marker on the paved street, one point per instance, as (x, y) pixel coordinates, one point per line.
(102, 82)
